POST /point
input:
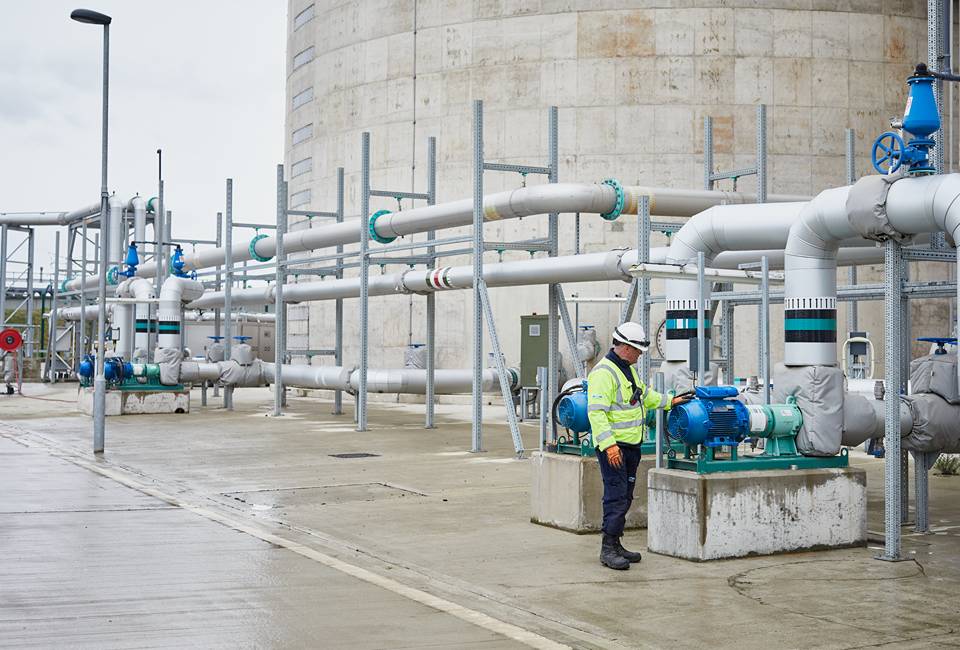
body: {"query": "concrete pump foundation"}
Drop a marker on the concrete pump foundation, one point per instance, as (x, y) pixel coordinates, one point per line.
(737, 514)
(137, 402)
(566, 493)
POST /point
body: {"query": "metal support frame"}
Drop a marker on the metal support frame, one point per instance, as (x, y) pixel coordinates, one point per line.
(892, 352)
(364, 280)
(703, 358)
(852, 315)
(643, 283)
(366, 259)
(280, 308)
(217, 313)
(555, 294)
(481, 299)
(51, 358)
(431, 314)
(228, 290)
(338, 307)
(764, 367)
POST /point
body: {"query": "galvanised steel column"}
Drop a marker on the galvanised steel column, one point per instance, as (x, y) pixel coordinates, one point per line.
(71, 242)
(852, 316)
(892, 342)
(762, 153)
(280, 309)
(935, 27)
(905, 345)
(84, 338)
(765, 327)
(30, 338)
(553, 333)
(99, 382)
(703, 358)
(161, 262)
(761, 198)
(52, 344)
(432, 296)
(217, 313)
(476, 444)
(364, 279)
(576, 251)
(228, 291)
(707, 153)
(643, 284)
(728, 342)
(4, 232)
(338, 317)
(921, 468)
(658, 386)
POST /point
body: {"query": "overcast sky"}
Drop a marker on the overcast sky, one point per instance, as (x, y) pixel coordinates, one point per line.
(201, 79)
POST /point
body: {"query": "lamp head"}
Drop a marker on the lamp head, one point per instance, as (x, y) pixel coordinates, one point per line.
(90, 17)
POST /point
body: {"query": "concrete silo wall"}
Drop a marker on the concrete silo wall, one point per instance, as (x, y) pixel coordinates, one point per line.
(633, 82)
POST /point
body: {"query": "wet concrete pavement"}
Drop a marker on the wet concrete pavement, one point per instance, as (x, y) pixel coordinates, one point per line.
(251, 530)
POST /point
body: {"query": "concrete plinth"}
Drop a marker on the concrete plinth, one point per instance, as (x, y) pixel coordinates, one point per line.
(137, 402)
(734, 514)
(566, 493)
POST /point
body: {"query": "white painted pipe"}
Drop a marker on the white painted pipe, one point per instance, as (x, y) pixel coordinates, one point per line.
(139, 207)
(522, 202)
(590, 267)
(142, 290)
(195, 315)
(47, 218)
(304, 376)
(173, 293)
(117, 233)
(197, 371)
(414, 380)
(123, 322)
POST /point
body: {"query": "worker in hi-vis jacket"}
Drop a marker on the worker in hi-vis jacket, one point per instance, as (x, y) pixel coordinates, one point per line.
(617, 407)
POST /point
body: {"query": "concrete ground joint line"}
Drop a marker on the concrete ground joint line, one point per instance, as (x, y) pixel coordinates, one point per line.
(474, 617)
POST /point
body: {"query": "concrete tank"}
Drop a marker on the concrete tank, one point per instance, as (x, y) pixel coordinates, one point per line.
(633, 82)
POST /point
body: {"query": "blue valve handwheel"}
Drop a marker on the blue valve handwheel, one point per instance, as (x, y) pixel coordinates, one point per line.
(887, 153)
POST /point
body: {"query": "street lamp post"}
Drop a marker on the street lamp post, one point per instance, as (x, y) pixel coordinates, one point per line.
(99, 382)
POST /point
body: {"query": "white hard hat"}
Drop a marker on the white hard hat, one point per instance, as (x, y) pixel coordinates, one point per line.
(631, 334)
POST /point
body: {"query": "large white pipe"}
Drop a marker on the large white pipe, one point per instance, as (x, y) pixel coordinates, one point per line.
(522, 202)
(398, 380)
(47, 218)
(197, 371)
(139, 207)
(303, 376)
(123, 322)
(590, 267)
(173, 293)
(414, 380)
(718, 229)
(116, 235)
(143, 291)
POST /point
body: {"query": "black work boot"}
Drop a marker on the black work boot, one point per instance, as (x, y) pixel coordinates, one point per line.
(610, 554)
(630, 556)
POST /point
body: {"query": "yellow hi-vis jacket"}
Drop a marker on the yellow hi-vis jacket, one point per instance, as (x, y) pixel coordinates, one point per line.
(612, 418)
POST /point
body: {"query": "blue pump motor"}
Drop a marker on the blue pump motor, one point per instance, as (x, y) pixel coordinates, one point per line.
(711, 419)
(572, 411)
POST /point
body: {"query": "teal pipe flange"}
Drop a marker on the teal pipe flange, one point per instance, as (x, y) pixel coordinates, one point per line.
(372, 227)
(253, 249)
(621, 199)
(63, 285)
(113, 274)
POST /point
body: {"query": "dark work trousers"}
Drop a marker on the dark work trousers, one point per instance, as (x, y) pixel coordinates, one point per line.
(618, 487)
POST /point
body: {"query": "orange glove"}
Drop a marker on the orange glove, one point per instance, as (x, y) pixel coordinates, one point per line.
(614, 457)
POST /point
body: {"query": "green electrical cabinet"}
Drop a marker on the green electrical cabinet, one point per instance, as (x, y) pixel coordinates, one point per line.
(534, 348)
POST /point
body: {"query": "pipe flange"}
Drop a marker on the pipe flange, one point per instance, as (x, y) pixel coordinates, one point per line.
(113, 274)
(614, 214)
(63, 285)
(372, 227)
(152, 204)
(253, 249)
